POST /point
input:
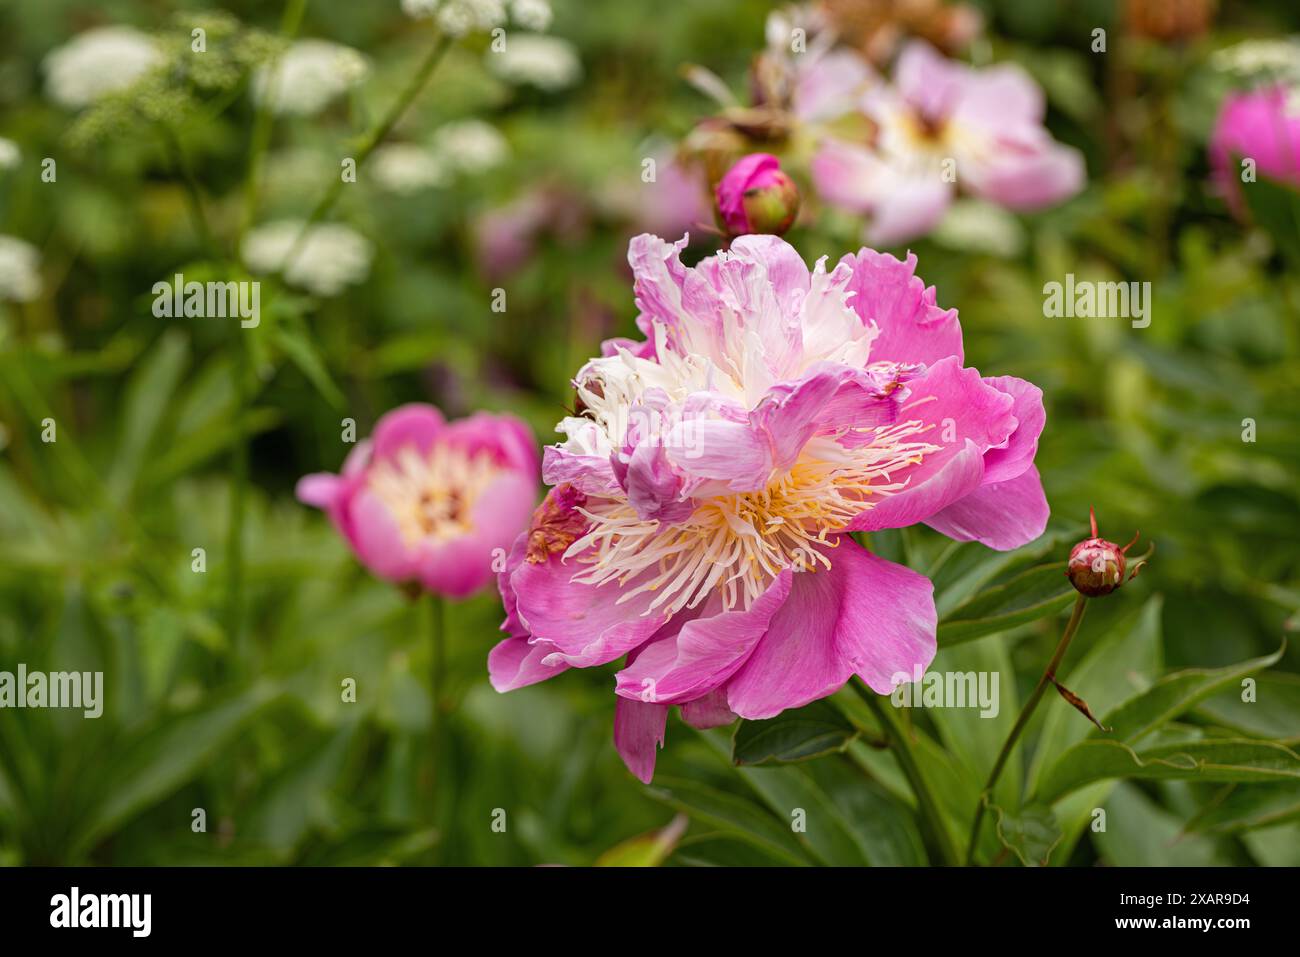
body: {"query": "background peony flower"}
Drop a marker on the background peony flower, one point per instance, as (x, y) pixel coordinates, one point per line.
(703, 497)
(98, 62)
(331, 258)
(425, 500)
(1263, 125)
(308, 75)
(756, 196)
(984, 125)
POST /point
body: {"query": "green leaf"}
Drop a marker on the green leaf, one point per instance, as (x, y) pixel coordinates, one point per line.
(1238, 808)
(166, 757)
(1035, 593)
(1140, 833)
(148, 397)
(296, 343)
(1176, 693)
(814, 819)
(1217, 759)
(1274, 711)
(733, 814)
(647, 850)
(795, 735)
(1031, 834)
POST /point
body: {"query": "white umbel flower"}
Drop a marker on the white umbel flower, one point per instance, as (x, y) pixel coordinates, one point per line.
(20, 270)
(531, 14)
(10, 154)
(547, 63)
(1265, 59)
(331, 257)
(406, 168)
(308, 76)
(96, 63)
(470, 145)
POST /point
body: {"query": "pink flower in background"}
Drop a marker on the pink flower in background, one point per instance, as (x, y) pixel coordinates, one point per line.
(428, 501)
(704, 493)
(756, 196)
(1262, 125)
(942, 120)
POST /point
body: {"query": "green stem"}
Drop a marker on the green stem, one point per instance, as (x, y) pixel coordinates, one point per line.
(1076, 616)
(238, 489)
(373, 138)
(431, 610)
(193, 192)
(901, 745)
(263, 119)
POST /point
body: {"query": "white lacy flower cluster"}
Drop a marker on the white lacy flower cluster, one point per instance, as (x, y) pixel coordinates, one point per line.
(465, 146)
(308, 75)
(545, 62)
(331, 257)
(10, 154)
(460, 17)
(1275, 59)
(96, 63)
(20, 270)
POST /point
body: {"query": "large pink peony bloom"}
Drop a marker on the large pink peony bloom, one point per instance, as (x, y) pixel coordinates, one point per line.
(1262, 125)
(427, 501)
(943, 126)
(698, 524)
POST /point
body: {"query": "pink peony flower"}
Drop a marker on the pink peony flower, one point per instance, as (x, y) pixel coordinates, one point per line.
(1262, 125)
(756, 196)
(428, 501)
(942, 121)
(704, 493)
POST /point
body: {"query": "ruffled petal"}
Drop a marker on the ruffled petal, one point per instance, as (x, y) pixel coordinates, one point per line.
(863, 615)
(888, 293)
(515, 663)
(638, 734)
(1003, 515)
(1004, 464)
(708, 711)
(704, 652)
(587, 624)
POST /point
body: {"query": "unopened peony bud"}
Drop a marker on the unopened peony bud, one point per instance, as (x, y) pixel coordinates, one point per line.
(1096, 566)
(756, 196)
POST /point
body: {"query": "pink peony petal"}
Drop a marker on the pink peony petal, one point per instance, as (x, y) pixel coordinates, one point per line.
(863, 615)
(638, 733)
(887, 292)
(515, 663)
(1001, 515)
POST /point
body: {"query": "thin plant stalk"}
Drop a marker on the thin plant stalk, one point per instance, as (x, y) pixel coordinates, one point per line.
(1076, 616)
(374, 137)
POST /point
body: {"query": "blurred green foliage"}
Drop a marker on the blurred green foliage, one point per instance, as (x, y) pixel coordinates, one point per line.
(97, 529)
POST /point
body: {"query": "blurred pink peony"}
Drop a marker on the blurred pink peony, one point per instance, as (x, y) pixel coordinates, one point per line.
(756, 196)
(1261, 125)
(941, 126)
(427, 501)
(709, 480)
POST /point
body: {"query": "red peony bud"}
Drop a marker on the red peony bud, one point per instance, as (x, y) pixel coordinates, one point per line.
(756, 196)
(1096, 566)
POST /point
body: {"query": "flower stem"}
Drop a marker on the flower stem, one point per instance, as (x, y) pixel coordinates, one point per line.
(431, 612)
(1076, 616)
(262, 119)
(238, 490)
(901, 745)
(374, 137)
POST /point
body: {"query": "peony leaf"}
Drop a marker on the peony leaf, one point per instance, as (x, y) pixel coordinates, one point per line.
(730, 813)
(1036, 593)
(795, 735)
(1239, 808)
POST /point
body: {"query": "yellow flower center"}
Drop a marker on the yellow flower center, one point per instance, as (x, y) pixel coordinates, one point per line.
(735, 544)
(431, 495)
